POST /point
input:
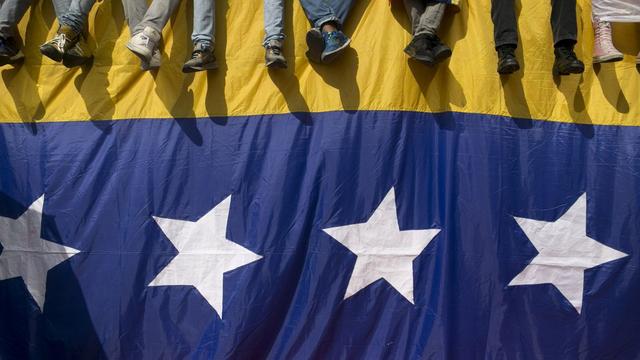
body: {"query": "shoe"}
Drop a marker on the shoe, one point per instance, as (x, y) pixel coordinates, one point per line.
(65, 39)
(603, 49)
(77, 55)
(154, 63)
(144, 43)
(507, 61)
(273, 56)
(566, 62)
(10, 52)
(315, 43)
(202, 58)
(440, 50)
(420, 50)
(335, 42)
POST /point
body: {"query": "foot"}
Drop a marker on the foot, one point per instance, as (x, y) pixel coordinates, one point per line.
(315, 43)
(274, 58)
(154, 63)
(202, 58)
(566, 62)
(10, 52)
(420, 50)
(507, 61)
(144, 43)
(603, 48)
(440, 50)
(335, 42)
(65, 39)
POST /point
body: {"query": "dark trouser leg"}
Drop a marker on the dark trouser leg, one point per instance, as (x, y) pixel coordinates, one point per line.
(505, 27)
(563, 21)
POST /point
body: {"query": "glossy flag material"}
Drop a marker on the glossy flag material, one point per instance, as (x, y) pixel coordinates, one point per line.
(469, 176)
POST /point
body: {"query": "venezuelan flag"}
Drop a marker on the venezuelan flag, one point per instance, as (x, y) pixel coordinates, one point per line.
(374, 208)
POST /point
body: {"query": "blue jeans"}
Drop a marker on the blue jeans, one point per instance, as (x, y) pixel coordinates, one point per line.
(11, 11)
(74, 13)
(204, 16)
(273, 20)
(320, 12)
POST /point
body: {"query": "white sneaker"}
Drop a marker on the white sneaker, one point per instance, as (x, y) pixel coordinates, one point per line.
(144, 43)
(154, 63)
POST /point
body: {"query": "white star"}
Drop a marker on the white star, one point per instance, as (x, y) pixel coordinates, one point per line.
(564, 253)
(28, 256)
(383, 251)
(204, 254)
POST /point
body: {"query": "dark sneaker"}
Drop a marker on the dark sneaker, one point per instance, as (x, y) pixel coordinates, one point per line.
(419, 49)
(566, 62)
(440, 50)
(10, 52)
(202, 59)
(273, 57)
(507, 61)
(335, 42)
(315, 43)
(65, 39)
(78, 55)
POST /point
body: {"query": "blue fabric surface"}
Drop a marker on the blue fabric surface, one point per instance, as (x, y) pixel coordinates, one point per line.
(290, 176)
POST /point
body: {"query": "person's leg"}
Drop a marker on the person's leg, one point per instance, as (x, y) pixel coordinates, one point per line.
(565, 36)
(274, 33)
(563, 21)
(204, 22)
(157, 15)
(11, 11)
(603, 48)
(425, 18)
(61, 7)
(505, 28)
(273, 20)
(134, 11)
(327, 12)
(76, 15)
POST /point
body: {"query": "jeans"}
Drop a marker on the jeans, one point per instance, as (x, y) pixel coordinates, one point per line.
(320, 12)
(563, 21)
(160, 11)
(134, 11)
(426, 16)
(73, 13)
(11, 11)
(273, 20)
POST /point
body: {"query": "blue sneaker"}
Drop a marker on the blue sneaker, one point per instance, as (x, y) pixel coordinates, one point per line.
(334, 43)
(315, 43)
(10, 52)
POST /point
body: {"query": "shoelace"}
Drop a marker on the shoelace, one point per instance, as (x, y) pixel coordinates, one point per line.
(276, 50)
(603, 35)
(145, 39)
(196, 54)
(568, 53)
(60, 40)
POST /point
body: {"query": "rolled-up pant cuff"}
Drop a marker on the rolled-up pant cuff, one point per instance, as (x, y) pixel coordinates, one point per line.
(331, 18)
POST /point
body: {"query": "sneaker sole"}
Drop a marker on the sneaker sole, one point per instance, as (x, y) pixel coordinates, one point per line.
(51, 53)
(142, 52)
(443, 55)
(575, 70)
(315, 43)
(607, 59)
(331, 56)
(192, 69)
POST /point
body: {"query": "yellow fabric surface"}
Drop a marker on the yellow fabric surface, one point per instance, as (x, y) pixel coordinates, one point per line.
(375, 75)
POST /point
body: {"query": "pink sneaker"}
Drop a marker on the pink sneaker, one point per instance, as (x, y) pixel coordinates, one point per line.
(603, 49)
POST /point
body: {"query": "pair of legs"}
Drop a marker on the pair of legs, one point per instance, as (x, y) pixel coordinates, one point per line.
(146, 34)
(325, 40)
(426, 17)
(11, 11)
(565, 35)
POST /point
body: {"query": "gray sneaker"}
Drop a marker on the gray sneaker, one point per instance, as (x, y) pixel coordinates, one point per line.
(202, 58)
(274, 58)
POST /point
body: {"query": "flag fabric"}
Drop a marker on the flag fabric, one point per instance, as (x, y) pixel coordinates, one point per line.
(374, 209)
